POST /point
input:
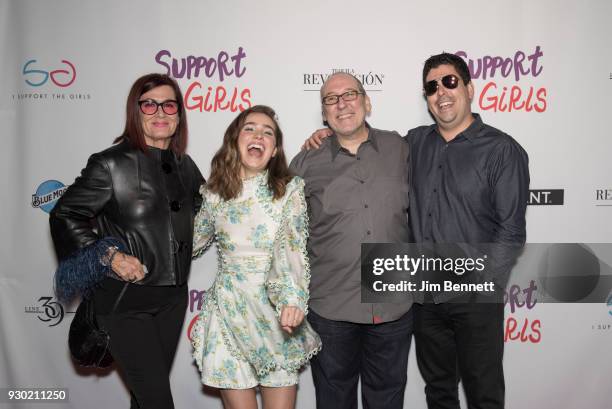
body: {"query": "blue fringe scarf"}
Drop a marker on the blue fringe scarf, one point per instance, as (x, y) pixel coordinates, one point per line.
(78, 274)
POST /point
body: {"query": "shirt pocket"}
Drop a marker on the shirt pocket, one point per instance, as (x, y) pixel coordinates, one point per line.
(344, 195)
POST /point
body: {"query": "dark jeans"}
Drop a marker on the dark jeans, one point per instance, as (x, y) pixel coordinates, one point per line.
(461, 341)
(143, 344)
(376, 352)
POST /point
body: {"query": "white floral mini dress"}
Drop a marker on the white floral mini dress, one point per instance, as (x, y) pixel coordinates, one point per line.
(237, 339)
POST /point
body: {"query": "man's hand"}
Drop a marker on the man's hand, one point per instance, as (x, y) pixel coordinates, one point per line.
(291, 318)
(316, 139)
(129, 268)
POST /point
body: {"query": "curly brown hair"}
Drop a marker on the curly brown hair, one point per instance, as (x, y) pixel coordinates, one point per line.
(225, 167)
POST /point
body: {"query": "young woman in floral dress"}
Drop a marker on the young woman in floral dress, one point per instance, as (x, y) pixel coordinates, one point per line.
(251, 330)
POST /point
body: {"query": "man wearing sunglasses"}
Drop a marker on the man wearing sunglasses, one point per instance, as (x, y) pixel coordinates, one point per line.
(357, 191)
(469, 184)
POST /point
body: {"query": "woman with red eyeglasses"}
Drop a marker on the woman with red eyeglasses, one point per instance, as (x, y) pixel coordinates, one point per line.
(123, 233)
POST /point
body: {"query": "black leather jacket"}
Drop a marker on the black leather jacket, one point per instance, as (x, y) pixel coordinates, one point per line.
(146, 200)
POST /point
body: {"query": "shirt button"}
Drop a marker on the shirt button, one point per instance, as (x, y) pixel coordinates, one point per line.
(358, 158)
(369, 232)
(435, 190)
(439, 166)
(366, 206)
(362, 182)
(175, 205)
(429, 215)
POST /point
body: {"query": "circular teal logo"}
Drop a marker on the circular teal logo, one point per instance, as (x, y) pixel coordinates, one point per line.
(47, 194)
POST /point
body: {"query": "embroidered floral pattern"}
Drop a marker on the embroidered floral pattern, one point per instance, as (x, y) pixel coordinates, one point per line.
(263, 266)
(259, 237)
(224, 241)
(236, 211)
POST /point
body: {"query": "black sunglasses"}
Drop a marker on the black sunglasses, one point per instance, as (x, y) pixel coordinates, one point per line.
(450, 81)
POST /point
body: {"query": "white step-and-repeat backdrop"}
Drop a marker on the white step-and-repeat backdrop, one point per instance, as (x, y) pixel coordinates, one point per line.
(542, 72)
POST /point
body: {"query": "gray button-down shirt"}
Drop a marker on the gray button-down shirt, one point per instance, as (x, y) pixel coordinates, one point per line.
(353, 199)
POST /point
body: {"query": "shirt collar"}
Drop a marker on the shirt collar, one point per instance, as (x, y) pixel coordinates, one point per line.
(259, 179)
(474, 129)
(372, 140)
(470, 133)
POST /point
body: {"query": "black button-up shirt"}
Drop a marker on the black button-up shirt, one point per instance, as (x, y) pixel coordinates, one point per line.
(353, 199)
(473, 189)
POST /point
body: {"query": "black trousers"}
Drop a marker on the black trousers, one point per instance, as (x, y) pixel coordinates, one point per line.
(143, 343)
(376, 352)
(461, 341)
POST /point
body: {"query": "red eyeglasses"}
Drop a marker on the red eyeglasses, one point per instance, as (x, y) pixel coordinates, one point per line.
(150, 107)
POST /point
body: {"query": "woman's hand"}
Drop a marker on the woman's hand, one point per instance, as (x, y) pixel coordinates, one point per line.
(129, 268)
(291, 318)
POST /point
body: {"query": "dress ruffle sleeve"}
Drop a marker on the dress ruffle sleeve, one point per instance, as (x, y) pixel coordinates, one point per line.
(203, 227)
(289, 276)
